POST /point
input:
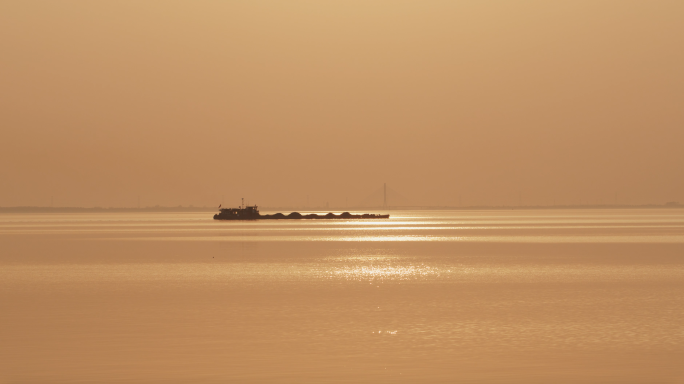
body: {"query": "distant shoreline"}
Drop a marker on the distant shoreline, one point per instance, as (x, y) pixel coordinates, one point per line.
(26, 209)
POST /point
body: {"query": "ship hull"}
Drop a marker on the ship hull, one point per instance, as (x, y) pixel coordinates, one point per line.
(298, 216)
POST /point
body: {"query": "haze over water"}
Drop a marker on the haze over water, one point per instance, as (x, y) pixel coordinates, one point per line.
(305, 103)
(510, 296)
(342, 103)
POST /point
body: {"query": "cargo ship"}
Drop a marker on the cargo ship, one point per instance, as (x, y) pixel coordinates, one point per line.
(251, 212)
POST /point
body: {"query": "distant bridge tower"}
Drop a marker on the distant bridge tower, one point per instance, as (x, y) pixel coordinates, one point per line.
(384, 196)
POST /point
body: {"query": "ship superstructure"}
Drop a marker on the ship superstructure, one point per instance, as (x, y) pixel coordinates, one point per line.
(250, 212)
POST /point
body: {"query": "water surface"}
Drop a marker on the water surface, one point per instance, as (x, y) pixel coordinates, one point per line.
(516, 296)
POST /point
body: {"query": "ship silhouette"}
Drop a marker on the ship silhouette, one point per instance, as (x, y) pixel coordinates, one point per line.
(251, 212)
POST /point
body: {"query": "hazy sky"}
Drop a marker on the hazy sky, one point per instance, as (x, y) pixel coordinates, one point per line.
(186, 102)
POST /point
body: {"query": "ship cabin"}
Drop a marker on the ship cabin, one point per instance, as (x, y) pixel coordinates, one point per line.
(242, 213)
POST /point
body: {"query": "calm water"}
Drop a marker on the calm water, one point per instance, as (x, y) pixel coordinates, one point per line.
(575, 296)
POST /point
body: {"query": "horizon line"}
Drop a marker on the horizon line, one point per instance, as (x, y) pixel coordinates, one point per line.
(159, 208)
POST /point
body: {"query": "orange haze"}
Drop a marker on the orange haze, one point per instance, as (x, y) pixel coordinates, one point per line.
(499, 102)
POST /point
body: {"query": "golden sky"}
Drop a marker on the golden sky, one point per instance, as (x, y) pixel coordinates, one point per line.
(494, 101)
